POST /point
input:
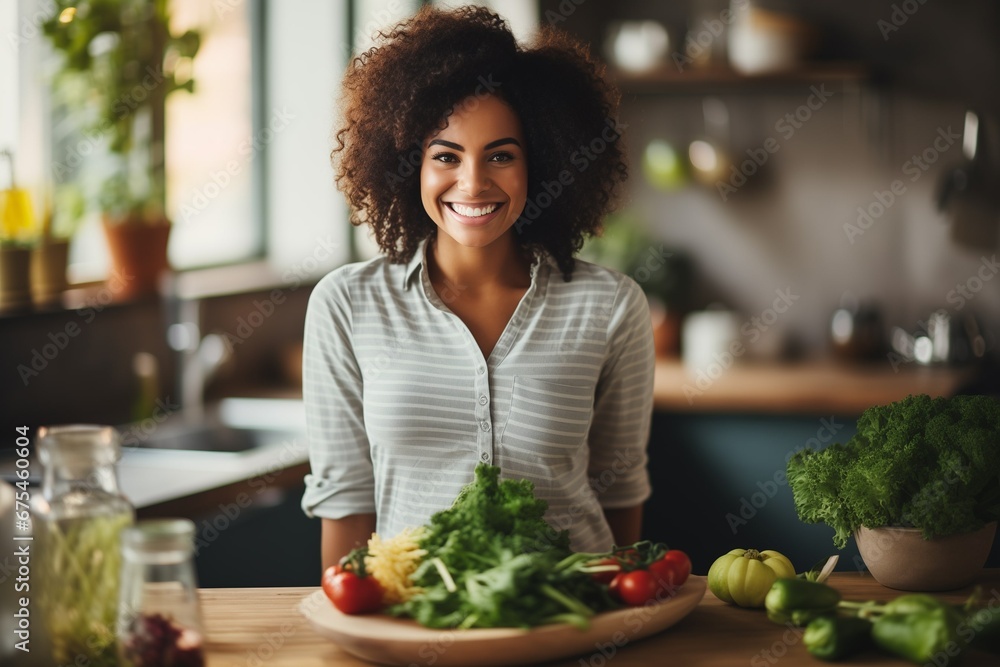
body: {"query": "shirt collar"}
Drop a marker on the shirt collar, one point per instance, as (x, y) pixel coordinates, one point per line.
(419, 260)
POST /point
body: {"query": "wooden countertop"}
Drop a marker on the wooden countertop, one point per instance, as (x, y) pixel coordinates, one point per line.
(817, 387)
(255, 626)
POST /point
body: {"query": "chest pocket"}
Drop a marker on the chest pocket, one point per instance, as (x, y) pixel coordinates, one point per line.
(547, 420)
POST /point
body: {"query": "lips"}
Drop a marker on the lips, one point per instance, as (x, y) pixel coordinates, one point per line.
(478, 213)
(473, 211)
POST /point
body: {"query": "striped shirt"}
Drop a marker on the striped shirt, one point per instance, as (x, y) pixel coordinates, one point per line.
(401, 405)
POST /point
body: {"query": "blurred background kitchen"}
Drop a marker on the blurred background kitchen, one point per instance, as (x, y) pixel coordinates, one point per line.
(813, 212)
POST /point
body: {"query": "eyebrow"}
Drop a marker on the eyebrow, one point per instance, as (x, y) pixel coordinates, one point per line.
(492, 144)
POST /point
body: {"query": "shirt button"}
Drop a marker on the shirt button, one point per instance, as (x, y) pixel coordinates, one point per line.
(485, 456)
(483, 400)
(485, 425)
(480, 370)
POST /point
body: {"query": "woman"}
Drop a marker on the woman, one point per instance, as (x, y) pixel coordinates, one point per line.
(476, 338)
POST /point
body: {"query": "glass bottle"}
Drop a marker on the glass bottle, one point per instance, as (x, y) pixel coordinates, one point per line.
(159, 620)
(77, 525)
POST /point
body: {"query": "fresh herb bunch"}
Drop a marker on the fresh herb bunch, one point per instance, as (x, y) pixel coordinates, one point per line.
(932, 464)
(495, 562)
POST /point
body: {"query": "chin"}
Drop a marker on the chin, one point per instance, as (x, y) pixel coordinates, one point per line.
(473, 240)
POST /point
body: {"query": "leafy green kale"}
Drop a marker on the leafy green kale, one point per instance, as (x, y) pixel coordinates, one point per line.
(926, 463)
(486, 508)
(492, 561)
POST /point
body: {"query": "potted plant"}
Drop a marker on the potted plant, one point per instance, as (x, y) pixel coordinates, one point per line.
(17, 237)
(124, 57)
(918, 486)
(50, 256)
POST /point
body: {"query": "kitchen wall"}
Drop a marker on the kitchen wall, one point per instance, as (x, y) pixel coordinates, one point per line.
(785, 228)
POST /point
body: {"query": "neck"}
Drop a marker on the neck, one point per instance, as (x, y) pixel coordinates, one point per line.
(501, 265)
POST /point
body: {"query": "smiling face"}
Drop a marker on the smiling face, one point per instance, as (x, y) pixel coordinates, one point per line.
(474, 173)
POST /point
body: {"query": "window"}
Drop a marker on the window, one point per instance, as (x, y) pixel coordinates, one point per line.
(211, 146)
(214, 213)
(248, 171)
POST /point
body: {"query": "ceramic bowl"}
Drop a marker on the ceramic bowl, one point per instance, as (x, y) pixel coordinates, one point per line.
(901, 558)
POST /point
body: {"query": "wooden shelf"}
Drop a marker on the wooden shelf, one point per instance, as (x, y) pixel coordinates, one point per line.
(818, 388)
(670, 79)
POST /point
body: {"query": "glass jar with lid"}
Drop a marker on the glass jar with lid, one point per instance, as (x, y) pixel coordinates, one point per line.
(159, 619)
(77, 524)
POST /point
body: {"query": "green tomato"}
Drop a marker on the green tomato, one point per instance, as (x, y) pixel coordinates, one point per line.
(744, 576)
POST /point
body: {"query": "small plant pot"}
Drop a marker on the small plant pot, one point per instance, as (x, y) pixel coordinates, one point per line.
(15, 279)
(48, 271)
(139, 256)
(901, 558)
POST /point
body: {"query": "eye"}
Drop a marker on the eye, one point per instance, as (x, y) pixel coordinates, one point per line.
(446, 158)
(502, 156)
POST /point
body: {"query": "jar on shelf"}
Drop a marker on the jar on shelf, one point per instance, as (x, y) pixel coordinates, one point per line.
(77, 524)
(159, 619)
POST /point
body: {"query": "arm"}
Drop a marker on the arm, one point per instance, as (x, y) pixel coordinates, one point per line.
(340, 488)
(339, 536)
(626, 524)
(623, 409)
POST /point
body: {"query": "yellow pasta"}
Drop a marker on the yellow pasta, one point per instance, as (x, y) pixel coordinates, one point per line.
(393, 561)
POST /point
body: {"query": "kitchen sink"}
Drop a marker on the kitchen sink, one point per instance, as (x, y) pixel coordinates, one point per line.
(235, 425)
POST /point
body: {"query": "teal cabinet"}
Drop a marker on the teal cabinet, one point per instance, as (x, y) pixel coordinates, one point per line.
(719, 484)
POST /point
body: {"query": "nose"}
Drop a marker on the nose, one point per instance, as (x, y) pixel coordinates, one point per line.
(473, 179)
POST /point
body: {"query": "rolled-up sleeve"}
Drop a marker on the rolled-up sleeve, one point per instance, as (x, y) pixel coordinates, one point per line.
(342, 481)
(623, 404)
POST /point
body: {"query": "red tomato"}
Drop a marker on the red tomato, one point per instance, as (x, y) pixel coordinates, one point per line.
(350, 593)
(637, 587)
(681, 564)
(609, 576)
(663, 573)
(672, 570)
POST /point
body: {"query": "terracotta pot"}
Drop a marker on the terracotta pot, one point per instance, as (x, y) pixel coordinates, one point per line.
(15, 281)
(666, 332)
(48, 271)
(901, 558)
(138, 256)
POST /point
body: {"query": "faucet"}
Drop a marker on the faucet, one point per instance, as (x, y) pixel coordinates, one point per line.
(199, 358)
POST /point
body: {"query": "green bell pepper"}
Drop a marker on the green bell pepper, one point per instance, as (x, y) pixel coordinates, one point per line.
(834, 638)
(799, 601)
(920, 636)
(913, 602)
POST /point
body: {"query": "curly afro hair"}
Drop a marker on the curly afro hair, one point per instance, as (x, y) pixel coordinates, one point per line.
(402, 90)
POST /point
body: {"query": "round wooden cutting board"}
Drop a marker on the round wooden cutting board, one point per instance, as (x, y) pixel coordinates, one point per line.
(393, 641)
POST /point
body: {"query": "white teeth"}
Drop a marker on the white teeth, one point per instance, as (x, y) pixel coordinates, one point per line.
(470, 212)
